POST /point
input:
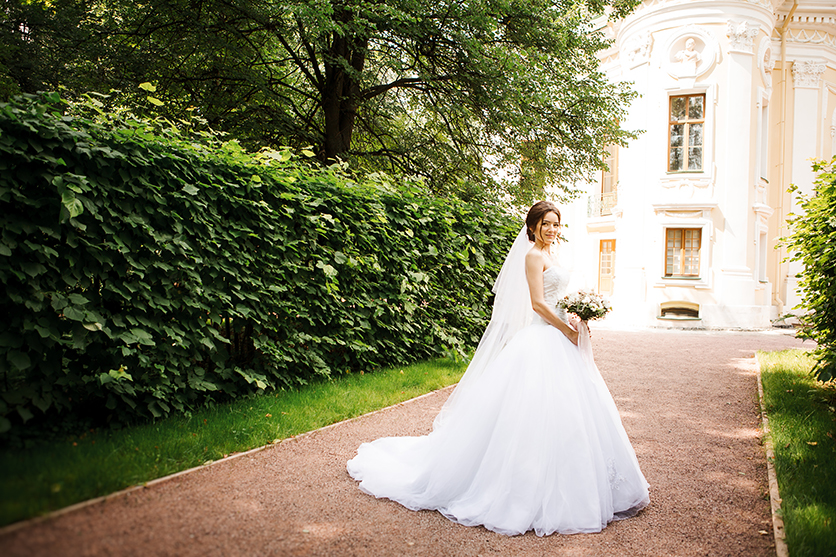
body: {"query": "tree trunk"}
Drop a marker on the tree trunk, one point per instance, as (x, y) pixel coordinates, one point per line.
(341, 94)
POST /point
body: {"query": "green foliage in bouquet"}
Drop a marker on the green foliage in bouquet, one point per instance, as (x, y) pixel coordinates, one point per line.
(146, 272)
(813, 242)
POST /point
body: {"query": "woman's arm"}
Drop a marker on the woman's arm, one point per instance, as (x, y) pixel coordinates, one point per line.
(534, 267)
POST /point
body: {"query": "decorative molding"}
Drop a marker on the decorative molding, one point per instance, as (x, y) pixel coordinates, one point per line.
(810, 36)
(806, 20)
(807, 74)
(763, 211)
(691, 51)
(637, 48)
(766, 63)
(771, 5)
(686, 210)
(687, 187)
(609, 59)
(742, 35)
(833, 125)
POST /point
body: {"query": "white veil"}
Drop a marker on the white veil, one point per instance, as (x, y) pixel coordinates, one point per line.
(511, 313)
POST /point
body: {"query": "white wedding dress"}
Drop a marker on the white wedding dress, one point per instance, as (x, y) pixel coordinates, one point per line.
(535, 443)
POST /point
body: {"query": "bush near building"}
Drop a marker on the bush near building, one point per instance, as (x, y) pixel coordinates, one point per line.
(813, 242)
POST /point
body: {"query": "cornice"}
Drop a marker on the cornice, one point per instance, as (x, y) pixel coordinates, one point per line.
(658, 15)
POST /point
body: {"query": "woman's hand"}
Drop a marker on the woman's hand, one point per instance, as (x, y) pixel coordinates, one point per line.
(575, 322)
(572, 335)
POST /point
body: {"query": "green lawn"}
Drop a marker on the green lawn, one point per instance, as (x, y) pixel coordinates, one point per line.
(51, 476)
(802, 417)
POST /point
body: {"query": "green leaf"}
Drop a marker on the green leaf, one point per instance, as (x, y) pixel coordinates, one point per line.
(74, 314)
(147, 86)
(78, 299)
(24, 413)
(155, 101)
(19, 360)
(72, 204)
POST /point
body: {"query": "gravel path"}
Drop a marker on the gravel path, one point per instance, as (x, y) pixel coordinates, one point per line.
(689, 404)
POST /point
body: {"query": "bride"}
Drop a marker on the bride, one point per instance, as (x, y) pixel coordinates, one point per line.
(531, 437)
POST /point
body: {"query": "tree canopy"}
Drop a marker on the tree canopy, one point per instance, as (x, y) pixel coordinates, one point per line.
(458, 92)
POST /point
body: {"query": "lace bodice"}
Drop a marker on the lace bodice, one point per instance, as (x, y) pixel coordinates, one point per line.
(555, 283)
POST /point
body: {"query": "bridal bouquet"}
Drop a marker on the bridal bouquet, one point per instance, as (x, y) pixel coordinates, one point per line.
(586, 305)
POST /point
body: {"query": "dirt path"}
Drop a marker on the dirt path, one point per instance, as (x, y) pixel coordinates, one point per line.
(689, 404)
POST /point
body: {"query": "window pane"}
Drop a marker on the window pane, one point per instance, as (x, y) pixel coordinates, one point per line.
(695, 158)
(695, 108)
(678, 108)
(676, 160)
(673, 251)
(695, 135)
(682, 252)
(677, 131)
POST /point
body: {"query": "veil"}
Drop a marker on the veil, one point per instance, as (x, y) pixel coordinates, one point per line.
(511, 313)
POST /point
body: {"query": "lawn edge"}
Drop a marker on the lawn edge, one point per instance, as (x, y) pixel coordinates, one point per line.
(11, 528)
(774, 495)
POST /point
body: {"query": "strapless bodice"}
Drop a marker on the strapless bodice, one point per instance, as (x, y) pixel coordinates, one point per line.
(555, 283)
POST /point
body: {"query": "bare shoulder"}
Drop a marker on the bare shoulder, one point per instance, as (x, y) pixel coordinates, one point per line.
(535, 261)
(534, 256)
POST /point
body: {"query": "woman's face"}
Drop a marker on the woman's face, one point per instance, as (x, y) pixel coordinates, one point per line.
(548, 229)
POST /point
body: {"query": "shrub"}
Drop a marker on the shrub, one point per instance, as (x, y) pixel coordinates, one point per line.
(813, 242)
(147, 272)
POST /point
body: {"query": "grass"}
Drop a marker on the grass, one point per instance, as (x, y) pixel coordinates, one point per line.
(802, 416)
(46, 477)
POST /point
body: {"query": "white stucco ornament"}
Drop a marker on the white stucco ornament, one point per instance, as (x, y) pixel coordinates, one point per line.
(636, 49)
(766, 63)
(684, 189)
(689, 52)
(742, 35)
(807, 73)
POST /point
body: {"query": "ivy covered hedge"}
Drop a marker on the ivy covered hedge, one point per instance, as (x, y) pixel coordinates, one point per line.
(813, 242)
(146, 272)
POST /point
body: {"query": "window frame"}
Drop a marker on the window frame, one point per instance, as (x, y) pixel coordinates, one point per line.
(702, 179)
(684, 215)
(687, 123)
(682, 257)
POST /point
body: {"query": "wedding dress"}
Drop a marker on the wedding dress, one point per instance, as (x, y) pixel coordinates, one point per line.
(535, 442)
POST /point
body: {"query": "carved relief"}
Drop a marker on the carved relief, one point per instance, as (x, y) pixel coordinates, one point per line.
(807, 73)
(637, 49)
(742, 35)
(765, 61)
(689, 53)
(833, 128)
(771, 5)
(688, 58)
(686, 188)
(810, 36)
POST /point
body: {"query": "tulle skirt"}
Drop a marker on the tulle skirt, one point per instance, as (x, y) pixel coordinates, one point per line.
(536, 443)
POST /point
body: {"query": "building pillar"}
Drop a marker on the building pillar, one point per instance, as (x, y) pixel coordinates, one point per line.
(736, 283)
(806, 76)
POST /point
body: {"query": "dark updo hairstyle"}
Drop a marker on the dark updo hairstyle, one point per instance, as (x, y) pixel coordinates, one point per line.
(536, 214)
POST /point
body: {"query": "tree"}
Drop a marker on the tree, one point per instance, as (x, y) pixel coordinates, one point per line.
(449, 90)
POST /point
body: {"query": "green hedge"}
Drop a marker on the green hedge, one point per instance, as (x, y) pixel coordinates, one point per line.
(813, 242)
(147, 272)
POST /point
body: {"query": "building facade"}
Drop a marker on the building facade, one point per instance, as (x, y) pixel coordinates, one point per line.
(736, 97)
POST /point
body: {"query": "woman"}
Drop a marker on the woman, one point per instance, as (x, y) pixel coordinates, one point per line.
(531, 437)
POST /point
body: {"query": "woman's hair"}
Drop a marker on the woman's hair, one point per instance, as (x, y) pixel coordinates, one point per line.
(536, 214)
